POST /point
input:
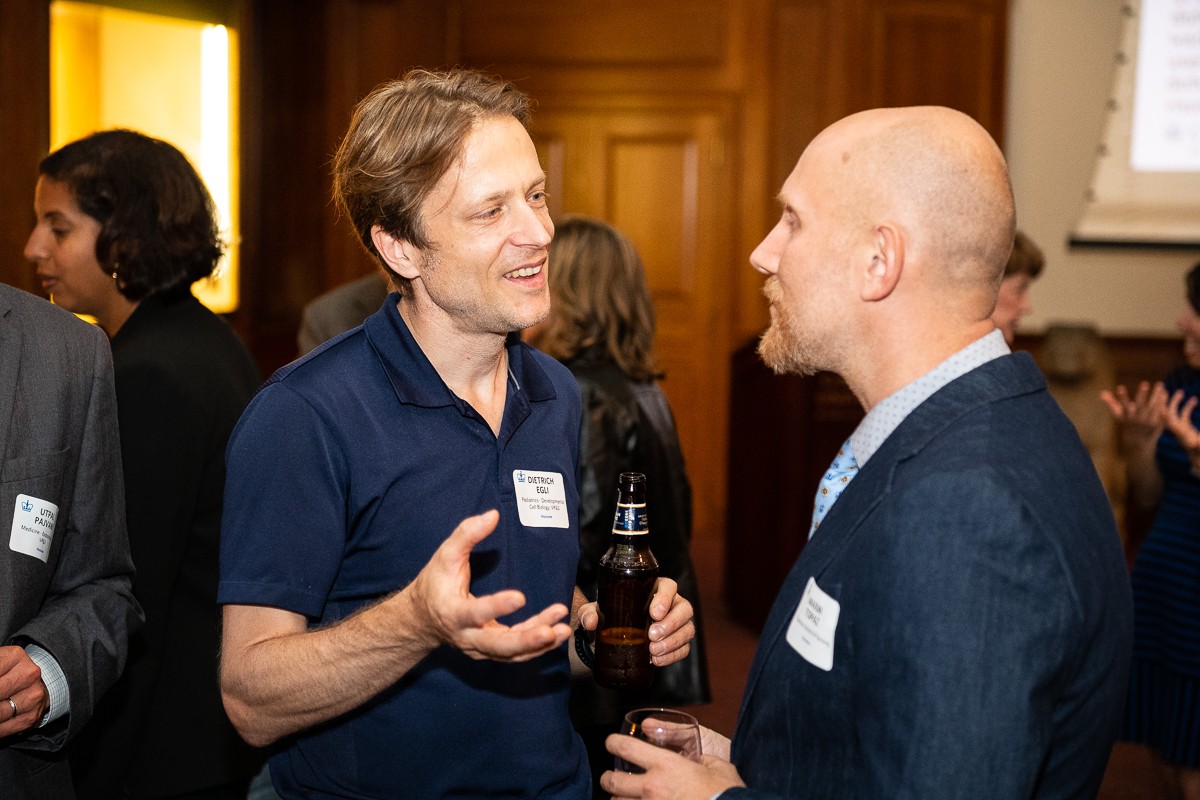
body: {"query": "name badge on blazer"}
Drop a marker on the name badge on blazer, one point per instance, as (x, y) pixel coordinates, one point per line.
(33, 527)
(814, 625)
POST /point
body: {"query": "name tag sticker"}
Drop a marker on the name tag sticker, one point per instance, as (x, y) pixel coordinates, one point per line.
(541, 499)
(33, 527)
(814, 625)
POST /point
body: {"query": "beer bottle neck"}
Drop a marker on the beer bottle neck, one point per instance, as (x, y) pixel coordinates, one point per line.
(627, 539)
(631, 518)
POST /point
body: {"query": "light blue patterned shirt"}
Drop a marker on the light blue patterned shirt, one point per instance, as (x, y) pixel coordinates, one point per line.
(885, 417)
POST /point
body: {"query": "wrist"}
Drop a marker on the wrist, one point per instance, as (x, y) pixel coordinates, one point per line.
(410, 622)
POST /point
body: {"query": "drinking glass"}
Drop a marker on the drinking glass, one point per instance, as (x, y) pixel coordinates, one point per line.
(663, 727)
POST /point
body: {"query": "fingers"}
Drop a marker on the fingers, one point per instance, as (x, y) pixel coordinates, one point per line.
(549, 616)
(713, 744)
(1188, 409)
(672, 629)
(1158, 397)
(478, 611)
(1180, 405)
(589, 616)
(665, 593)
(1114, 405)
(29, 704)
(23, 695)
(1178, 419)
(470, 532)
(636, 751)
(17, 673)
(529, 639)
(673, 648)
(1143, 391)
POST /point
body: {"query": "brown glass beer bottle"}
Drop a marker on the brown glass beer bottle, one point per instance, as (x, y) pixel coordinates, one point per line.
(626, 583)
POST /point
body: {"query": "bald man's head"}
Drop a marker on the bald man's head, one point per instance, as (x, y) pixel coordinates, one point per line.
(935, 171)
(895, 227)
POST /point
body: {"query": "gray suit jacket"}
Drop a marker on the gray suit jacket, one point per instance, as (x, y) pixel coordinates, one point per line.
(982, 643)
(340, 309)
(58, 434)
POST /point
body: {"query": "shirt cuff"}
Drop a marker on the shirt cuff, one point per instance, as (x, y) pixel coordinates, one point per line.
(55, 680)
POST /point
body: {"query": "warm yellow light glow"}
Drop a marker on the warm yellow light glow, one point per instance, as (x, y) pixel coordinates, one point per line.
(216, 154)
(171, 78)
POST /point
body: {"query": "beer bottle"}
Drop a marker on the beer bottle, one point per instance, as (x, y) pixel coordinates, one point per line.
(626, 583)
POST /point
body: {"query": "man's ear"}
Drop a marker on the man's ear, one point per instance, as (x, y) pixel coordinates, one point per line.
(887, 263)
(399, 254)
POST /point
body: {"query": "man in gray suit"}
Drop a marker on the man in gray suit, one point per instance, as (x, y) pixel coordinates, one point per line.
(66, 610)
(340, 309)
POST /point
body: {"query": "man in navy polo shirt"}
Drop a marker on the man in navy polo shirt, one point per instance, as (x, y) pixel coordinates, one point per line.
(382, 657)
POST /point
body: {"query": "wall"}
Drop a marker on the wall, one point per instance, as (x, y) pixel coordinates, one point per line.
(25, 112)
(1060, 74)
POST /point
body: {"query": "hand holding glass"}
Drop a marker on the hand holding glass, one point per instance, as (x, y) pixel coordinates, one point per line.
(662, 727)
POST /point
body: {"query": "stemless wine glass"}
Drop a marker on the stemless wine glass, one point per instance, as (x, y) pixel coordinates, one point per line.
(663, 727)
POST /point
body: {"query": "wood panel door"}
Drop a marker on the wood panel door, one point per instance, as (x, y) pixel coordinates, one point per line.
(659, 173)
(940, 52)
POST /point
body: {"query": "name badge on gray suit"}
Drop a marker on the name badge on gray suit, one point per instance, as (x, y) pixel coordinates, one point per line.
(33, 527)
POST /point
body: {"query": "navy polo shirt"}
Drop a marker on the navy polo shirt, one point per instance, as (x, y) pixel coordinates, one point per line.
(346, 472)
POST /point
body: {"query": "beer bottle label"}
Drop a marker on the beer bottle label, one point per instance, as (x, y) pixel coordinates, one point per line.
(631, 519)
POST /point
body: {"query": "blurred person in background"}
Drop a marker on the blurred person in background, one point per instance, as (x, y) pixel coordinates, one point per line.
(340, 309)
(124, 227)
(601, 326)
(1023, 267)
(1161, 446)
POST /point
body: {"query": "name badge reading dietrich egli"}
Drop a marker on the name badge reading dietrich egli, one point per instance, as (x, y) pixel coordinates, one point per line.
(813, 626)
(33, 527)
(541, 499)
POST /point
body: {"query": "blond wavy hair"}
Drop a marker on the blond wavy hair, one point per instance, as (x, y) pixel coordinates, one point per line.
(403, 137)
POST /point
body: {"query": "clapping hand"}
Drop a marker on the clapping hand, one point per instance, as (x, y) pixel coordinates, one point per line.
(1178, 420)
(1141, 416)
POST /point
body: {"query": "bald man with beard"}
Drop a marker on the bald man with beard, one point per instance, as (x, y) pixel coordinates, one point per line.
(958, 625)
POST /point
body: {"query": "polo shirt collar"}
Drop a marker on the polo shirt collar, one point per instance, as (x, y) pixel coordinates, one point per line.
(416, 382)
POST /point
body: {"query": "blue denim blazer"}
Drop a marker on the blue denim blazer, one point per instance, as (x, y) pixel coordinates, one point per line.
(984, 631)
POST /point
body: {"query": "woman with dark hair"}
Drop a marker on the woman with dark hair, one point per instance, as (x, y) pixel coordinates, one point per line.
(601, 326)
(124, 227)
(1161, 445)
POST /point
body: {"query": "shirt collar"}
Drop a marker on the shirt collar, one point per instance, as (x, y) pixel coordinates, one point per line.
(887, 415)
(413, 377)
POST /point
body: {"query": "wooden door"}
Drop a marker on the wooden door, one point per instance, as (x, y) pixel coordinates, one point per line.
(658, 173)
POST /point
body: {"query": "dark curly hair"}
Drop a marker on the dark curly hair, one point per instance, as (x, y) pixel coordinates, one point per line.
(158, 224)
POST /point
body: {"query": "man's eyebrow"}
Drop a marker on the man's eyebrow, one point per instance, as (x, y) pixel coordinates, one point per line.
(497, 196)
